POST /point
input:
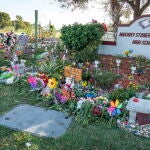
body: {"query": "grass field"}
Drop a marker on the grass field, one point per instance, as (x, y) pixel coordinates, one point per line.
(96, 136)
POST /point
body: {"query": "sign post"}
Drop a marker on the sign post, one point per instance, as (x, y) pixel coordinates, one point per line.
(36, 29)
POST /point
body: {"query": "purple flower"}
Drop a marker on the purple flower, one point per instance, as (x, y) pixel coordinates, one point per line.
(68, 86)
(63, 99)
(33, 85)
(60, 97)
(100, 106)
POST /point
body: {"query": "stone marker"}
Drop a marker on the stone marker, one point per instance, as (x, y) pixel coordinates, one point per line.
(138, 105)
(36, 120)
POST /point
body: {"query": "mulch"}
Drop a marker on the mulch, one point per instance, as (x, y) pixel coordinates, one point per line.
(108, 62)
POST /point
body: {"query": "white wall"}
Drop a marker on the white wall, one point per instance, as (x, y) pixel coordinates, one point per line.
(125, 38)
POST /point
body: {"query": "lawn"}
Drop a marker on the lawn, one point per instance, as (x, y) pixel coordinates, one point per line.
(97, 136)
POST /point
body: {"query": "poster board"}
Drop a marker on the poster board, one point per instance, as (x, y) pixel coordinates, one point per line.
(73, 73)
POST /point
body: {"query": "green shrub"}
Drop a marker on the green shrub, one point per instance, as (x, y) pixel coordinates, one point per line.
(52, 68)
(105, 79)
(86, 56)
(79, 37)
(122, 94)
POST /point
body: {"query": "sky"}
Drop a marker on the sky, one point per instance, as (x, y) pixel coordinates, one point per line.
(48, 11)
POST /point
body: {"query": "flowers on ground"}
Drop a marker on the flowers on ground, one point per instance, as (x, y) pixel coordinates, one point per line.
(32, 81)
(52, 83)
(36, 82)
(44, 77)
(127, 52)
(84, 83)
(60, 97)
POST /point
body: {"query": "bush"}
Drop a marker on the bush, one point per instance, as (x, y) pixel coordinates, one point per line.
(122, 94)
(105, 79)
(86, 56)
(79, 37)
(52, 68)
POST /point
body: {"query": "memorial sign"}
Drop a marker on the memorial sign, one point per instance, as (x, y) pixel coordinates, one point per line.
(134, 36)
(73, 73)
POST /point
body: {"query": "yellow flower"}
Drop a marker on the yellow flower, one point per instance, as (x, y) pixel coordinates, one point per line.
(52, 83)
(127, 52)
(84, 83)
(130, 77)
(130, 83)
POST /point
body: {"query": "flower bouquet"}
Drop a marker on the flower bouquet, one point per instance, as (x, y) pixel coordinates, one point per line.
(128, 52)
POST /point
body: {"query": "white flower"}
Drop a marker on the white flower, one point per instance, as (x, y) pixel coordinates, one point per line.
(80, 103)
(28, 144)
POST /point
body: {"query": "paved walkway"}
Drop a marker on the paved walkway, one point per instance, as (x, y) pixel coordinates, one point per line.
(36, 120)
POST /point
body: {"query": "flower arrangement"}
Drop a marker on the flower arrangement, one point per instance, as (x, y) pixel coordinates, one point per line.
(128, 52)
(60, 97)
(67, 91)
(44, 77)
(52, 83)
(84, 83)
(36, 83)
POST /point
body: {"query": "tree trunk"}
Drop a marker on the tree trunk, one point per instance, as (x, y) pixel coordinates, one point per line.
(136, 9)
(115, 9)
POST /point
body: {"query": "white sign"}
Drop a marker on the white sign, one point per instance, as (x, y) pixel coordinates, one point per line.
(135, 36)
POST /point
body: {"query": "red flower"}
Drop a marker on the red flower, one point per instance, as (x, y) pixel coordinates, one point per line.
(44, 78)
(136, 100)
(96, 111)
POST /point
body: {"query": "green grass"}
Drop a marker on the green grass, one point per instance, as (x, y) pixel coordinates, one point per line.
(97, 136)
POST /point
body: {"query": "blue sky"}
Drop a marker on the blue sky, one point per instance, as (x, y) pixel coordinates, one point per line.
(49, 11)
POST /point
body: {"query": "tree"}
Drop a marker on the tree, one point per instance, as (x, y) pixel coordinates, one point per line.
(138, 6)
(75, 3)
(117, 7)
(19, 23)
(27, 28)
(19, 18)
(52, 29)
(4, 20)
(116, 10)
